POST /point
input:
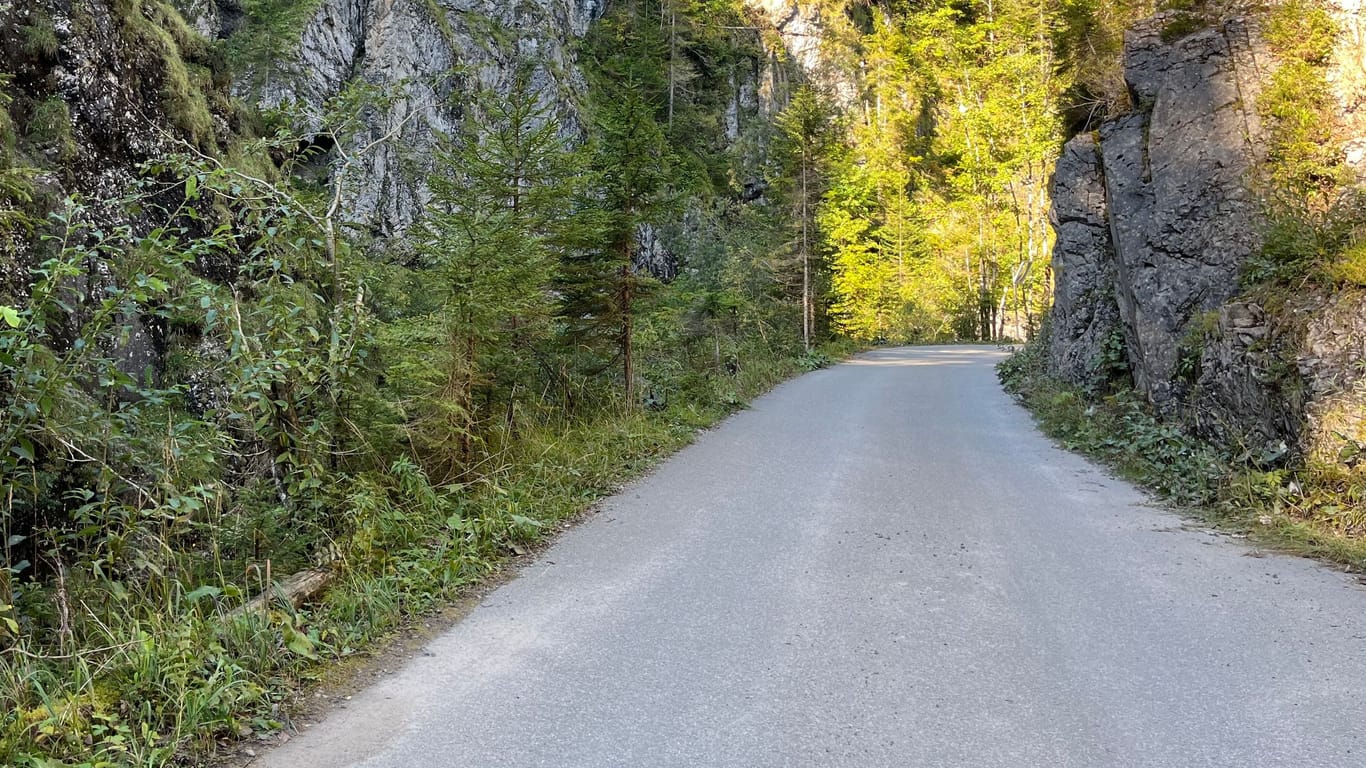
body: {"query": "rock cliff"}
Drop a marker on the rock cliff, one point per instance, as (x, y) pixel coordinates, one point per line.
(1180, 219)
(428, 56)
(1156, 220)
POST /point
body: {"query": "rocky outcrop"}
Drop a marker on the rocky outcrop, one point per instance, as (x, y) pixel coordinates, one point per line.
(1155, 220)
(802, 27)
(100, 88)
(1181, 217)
(214, 19)
(1293, 379)
(1241, 393)
(1085, 314)
(1332, 362)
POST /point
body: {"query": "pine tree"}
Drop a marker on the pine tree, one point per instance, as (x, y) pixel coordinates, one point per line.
(629, 163)
(808, 137)
(495, 200)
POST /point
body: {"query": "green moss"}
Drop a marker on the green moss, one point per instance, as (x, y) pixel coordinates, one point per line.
(1313, 219)
(159, 30)
(40, 37)
(1302, 30)
(49, 129)
(1349, 268)
(1300, 112)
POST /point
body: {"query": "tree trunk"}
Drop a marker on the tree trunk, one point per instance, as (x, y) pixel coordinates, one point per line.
(624, 300)
(807, 314)
(467, 434)
(628, 368)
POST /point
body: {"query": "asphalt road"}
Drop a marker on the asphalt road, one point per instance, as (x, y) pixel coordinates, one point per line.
(881, 564)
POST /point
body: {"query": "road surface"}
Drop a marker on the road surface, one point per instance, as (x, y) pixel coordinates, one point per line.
(881, 564)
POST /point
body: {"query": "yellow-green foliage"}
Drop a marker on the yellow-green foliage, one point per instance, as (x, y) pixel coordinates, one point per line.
(1314, 218)
(1298, 107)
(1349, 269)
(155, 27)
(1299, 110)
(1301, 30)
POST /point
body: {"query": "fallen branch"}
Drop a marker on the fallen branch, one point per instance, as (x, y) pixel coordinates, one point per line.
(296, 590)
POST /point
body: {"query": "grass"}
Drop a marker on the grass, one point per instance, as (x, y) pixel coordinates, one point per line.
(158, 672)
(1299, 509)
(49, 128)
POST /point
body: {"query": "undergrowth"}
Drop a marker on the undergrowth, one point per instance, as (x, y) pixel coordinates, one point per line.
(1290, 508)
(160, 673)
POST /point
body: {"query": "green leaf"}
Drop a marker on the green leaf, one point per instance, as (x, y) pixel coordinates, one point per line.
(203, 592)
(192, 188)
(526, 522)
(299, 643)
(10, 315)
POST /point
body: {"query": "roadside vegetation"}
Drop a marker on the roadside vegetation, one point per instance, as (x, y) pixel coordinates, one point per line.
(1291, 507)
(214, 382)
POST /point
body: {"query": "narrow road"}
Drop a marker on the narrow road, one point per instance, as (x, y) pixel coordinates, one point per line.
(881, 564)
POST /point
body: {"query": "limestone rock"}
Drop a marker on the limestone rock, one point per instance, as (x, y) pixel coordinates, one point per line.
(1154, 222)
(1182, 219)
(1085, 314)
(429, 56)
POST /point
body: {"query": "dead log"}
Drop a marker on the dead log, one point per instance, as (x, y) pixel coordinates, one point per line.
(296, 590)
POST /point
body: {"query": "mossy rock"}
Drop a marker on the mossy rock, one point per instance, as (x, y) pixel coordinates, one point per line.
(1349, 268)
(157, 29)
(39, 37)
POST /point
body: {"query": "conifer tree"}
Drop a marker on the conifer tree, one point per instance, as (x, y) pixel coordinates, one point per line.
(808, 137)
(495, 200)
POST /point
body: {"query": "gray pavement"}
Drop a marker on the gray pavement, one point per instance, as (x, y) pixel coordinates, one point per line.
(881, 564)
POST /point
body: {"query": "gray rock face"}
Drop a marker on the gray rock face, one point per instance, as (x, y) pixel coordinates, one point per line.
(1085, 314)
(428, 56)
(214, 19)
(1241, 397)
(1293, 379)
(801, 28)
(1182, 220)
(653, 256)
(1333, 364)
(1154, 221)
